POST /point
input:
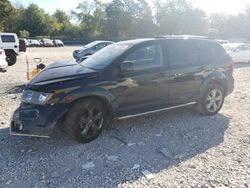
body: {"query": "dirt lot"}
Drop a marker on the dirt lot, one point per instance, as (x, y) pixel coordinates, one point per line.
(177, 148)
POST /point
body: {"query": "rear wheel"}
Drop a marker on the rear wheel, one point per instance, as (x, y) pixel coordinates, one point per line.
(11, 59)
(85, 120)
(211, 100)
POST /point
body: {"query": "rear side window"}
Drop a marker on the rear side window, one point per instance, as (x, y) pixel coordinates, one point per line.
(8, 38)
(209, 50)
(100, 46)
(181, 52)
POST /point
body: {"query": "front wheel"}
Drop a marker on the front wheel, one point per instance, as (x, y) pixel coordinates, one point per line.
(85, 120)
(11, 59)
(211, 100)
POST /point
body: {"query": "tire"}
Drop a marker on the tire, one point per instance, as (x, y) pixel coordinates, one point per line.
(11, 59)
(211, 100)
(85, 120)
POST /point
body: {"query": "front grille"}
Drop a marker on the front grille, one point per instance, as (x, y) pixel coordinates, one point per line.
(29, 114)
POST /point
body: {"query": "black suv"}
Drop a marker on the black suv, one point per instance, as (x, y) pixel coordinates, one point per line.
(123, 80)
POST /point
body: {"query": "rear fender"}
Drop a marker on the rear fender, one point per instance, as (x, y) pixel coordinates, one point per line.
(217, 78)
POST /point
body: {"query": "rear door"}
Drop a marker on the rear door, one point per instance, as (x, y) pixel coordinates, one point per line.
(185, 71)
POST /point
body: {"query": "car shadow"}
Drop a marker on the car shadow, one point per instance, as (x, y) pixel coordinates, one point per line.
(126, 148)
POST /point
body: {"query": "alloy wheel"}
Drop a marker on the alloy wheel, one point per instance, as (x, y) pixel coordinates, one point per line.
(91, 121)
(214, 100)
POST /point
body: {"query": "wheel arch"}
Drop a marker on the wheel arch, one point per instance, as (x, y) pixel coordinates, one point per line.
(100, 94)
(102, 99)
(215, 78)
(10, 51)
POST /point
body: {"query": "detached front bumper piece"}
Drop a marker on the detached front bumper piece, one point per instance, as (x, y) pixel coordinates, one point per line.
(36, 120)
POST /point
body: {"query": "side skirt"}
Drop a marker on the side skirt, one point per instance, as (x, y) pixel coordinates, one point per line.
(154, 111)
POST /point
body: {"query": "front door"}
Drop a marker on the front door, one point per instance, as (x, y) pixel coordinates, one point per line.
(144, 87)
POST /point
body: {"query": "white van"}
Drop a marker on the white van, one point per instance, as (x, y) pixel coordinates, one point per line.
(11, 45)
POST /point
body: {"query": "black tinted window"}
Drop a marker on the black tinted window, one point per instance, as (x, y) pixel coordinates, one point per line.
(209, 50)
(146, 57)
(8, 38)
(181, 52)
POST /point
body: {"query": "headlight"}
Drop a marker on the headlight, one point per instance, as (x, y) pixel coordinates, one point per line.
(34, 97)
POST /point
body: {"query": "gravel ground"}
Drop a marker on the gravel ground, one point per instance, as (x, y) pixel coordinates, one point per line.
(172, 149)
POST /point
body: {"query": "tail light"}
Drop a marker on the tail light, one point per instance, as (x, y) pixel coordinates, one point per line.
(2, 52)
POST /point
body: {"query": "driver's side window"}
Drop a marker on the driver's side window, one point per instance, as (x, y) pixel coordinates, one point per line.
(146, 57)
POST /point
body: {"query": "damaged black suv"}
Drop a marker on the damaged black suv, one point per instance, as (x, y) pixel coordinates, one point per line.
(123, 80)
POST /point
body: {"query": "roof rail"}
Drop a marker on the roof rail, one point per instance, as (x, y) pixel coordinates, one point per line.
(183, 36)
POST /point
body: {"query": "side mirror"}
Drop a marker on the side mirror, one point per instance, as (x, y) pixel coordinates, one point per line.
(127, 66)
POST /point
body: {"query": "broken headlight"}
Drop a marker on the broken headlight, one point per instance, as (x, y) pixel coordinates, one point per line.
(35, 97)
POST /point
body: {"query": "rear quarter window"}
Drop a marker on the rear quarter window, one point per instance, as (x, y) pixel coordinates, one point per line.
(8, 38)
(209, 50)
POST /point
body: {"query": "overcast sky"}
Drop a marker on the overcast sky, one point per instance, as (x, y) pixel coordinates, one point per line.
(209, 6)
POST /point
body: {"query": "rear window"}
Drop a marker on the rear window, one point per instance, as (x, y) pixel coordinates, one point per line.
(209, 50)
(8, 38)
(181, 52)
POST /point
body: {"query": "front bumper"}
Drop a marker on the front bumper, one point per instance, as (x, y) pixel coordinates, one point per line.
(3, 66)
(3, 69)
(36, 120)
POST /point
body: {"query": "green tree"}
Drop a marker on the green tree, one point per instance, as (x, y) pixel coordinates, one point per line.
(24, 34)
(63, 22)
(6, 10)
(179, 17)
(35, 21)
(90, 16)
(126, 18)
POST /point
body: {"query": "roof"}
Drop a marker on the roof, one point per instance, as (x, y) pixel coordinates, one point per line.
(7, 33)
(137, 41)
(97, 41)
(183, 37)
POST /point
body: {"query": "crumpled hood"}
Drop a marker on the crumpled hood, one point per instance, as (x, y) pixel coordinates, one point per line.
(62, 71)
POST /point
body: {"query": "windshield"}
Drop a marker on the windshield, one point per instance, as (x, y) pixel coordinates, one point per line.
(104, 57)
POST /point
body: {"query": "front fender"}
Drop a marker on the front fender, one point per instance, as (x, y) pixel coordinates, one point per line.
(96, 92)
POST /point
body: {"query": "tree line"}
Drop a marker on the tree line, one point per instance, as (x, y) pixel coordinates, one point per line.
(122, 19)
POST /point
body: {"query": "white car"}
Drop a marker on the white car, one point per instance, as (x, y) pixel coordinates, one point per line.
(12, 46)
(240, 52)
(3, 62)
